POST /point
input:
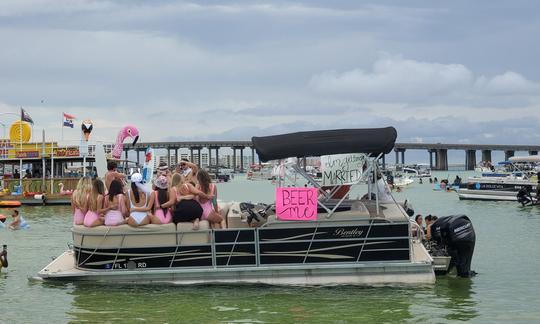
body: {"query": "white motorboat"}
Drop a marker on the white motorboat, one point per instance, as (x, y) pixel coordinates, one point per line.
(502, 186)
(362, 241)
(420, 170)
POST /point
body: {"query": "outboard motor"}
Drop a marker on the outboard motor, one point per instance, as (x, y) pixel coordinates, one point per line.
(524, 196)
(456, 233)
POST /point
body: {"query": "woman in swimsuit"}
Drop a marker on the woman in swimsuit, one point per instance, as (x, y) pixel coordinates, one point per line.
(186, 207)
(95, 205)
(158, 201)
(115, 205)
(209, 206)
(138, 201)
(79, 200)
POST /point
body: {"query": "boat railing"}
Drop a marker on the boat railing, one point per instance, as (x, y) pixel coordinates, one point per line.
(247, 243)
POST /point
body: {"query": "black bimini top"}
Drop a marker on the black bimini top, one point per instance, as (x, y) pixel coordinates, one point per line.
(372, 141)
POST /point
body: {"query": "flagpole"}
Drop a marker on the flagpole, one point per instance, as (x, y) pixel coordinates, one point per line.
(20, 152)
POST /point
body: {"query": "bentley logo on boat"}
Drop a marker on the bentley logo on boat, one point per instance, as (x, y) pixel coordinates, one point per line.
(345, 233)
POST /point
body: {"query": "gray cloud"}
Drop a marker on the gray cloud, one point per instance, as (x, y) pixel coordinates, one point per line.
(395, 79)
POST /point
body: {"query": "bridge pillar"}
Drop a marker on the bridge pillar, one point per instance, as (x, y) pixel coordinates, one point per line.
(217, 158)
(470, 160)
(176, 158)
(533, 152)
(209, 157)
(402, 151)
(191, 154)
(169, 157)
(199, 162)
(486, 155)
(431, 159)
(442, 160)
(383, 161)
(138, 157)
(234, 158)
(508, 154)
(242, 159)
(252, 155)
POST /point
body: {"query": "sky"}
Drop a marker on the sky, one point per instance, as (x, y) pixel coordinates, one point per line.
(438, 71)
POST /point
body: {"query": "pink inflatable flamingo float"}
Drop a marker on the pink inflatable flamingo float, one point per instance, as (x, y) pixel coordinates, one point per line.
(64, 192)
(128, 131)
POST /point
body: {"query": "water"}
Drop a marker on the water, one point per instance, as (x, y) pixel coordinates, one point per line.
(506, 257)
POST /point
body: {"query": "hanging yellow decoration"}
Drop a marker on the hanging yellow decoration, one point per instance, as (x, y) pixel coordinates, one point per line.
(15, 132)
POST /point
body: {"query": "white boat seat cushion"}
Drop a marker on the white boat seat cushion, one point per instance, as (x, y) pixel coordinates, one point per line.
(110, 236)
(188, 236)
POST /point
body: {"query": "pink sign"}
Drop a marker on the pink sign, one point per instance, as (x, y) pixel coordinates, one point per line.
(298, 204)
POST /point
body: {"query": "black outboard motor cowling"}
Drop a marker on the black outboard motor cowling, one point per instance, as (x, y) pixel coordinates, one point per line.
(457, 234)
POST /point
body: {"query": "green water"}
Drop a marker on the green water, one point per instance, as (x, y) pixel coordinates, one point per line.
(507, 258)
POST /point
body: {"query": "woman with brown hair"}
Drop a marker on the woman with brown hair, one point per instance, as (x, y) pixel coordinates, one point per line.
(209, 206)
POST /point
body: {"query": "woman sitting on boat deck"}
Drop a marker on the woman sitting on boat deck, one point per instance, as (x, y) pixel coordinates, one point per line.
(183, 198)
(95, 205)
(138, 202)
(159, 196)
(115, 205)
(79, 200)
(209, 206)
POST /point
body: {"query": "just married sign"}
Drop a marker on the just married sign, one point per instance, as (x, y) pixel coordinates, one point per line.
(342, 169)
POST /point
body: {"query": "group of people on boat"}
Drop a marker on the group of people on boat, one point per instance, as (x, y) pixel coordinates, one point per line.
(186, 194)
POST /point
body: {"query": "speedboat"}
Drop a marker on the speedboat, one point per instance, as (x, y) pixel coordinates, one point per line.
(262, 171)
(502, 186)
(308, 237)
(419, 170)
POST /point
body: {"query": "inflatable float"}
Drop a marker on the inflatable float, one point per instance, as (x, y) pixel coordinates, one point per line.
(10, 203)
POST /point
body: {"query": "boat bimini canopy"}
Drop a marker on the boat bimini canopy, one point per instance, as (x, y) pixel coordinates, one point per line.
(525, 159)
(371, 141)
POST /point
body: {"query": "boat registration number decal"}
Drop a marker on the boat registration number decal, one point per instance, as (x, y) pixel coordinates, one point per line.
(296, 203)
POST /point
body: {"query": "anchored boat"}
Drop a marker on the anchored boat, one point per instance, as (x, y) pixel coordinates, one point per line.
(340, 241)
(503, 186)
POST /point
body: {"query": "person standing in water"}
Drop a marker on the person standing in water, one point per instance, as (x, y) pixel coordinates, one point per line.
(3, 258)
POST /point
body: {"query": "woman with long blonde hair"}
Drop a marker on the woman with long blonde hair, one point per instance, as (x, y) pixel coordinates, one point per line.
(95, 204)
(79, 200)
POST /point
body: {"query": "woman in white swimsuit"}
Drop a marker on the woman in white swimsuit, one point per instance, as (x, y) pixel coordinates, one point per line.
(138, 201)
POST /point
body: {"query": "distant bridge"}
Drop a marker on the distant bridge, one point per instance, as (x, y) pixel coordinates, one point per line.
(438, 152)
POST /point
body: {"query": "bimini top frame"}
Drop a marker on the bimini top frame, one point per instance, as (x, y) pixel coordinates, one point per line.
(374, 143)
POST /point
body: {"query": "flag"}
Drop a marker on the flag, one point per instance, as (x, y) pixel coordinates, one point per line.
(26, 117)
(68, 120)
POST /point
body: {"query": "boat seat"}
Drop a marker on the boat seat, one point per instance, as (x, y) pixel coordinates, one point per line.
(111, 236)
(235, 217)
(188, 236)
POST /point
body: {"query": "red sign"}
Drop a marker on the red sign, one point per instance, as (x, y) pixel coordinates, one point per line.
(67, 152)
(27, 154)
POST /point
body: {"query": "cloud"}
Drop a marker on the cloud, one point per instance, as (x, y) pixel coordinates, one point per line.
(395, 79)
